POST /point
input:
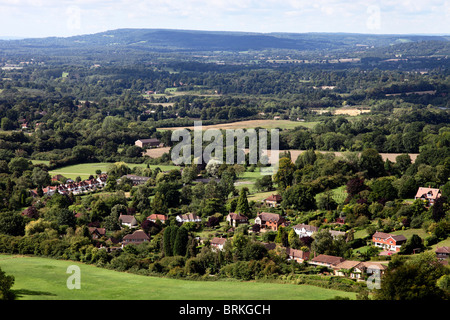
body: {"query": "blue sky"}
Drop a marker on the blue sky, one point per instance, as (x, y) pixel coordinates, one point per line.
(41, 18)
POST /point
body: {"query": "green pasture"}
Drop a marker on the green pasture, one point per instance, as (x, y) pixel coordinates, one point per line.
(86, 169)
(39, 278)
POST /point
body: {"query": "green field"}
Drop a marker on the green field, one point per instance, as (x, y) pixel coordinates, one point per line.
(45, 279)
(86, 169)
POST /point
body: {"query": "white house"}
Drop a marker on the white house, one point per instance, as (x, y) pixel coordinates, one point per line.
(304, 230)
(190, 217)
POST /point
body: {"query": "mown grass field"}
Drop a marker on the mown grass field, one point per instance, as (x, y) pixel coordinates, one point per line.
(45, 279)
(86, 169)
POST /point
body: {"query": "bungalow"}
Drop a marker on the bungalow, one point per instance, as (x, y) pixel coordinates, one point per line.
(218, 243)
(326, 260)
(235, 219)
(147, 143)
(190, 217)
(442, 253)
(388, 241)
(273, 200)
(136, 237)
(335, 234)
(161, 217)
(136, 180)
(357, 269)
(428, 194)
(297, 255)
(128, 221)
(304, 230)
(270, 221)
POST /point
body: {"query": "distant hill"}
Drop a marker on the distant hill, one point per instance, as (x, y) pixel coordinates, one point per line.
(190, 40)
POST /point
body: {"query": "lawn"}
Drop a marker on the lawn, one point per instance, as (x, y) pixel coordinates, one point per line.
(45, 279)
(86, 169)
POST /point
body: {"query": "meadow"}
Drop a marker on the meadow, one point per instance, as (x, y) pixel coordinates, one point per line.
(86, 169)
(39, 278)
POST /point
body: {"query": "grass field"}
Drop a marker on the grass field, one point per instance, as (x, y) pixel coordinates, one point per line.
(45, 279)
(86, 169)
(247, 124)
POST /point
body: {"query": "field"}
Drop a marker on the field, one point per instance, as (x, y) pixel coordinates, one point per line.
(266, 124)
(86, 169)
(45, 279)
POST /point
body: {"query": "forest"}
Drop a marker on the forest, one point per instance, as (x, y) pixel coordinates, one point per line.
(92, 105)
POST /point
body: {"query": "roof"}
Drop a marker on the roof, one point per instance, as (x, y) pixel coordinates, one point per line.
(274, 197)
(149, 140)
(125, 218)
(189, 216)
(297, 253)
(237, 216)
(385, 236)
(137, 235)
(307, 227)
(267, 216)
(347, 264)
(323, 258)
(443, 250)
(428, 193)
(99, 230)
(218, 241)
(157, 217)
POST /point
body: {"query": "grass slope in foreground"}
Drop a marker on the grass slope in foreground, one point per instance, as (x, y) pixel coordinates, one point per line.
(45, 279)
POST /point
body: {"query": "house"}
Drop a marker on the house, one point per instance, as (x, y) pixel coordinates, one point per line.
(136, 237)
(335, 234)
(442, 253)
(218, 243)
(57, 177)
(147, 143)
(388, 241)
(128, 220)
(357, 269)
(136, 180)
(304, 230)
(428, 194)
(235, 219)
(270, 220)
(326, 260)
(273, 200)
(190, 217)
(297, 255)
(161, 217)
(30, 212)
(97, 233)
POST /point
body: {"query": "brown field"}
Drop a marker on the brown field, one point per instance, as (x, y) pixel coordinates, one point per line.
(156, 152)
(390, 156)
(344, 111)
(267, 124)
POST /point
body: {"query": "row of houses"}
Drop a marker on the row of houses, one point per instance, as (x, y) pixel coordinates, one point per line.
(74, 187)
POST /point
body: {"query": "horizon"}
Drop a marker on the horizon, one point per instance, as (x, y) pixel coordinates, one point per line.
(51, 18)
(8, 37)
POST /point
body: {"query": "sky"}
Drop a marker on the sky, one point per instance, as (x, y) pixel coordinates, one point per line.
(62, 18)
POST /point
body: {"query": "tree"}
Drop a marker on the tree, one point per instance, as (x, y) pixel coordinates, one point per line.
(285, 173)
(242, 206)
(12, 224)
(264, 183)
(439, 208)
(323, 242)
(299, 197)
(371, 162)
(6, 283)
(181, 242)
(413, 279)
(415, 242)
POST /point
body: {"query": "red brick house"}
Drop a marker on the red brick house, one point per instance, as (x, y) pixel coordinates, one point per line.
(297, 255)
(270, 221)
(161, 217)
(388, 241)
